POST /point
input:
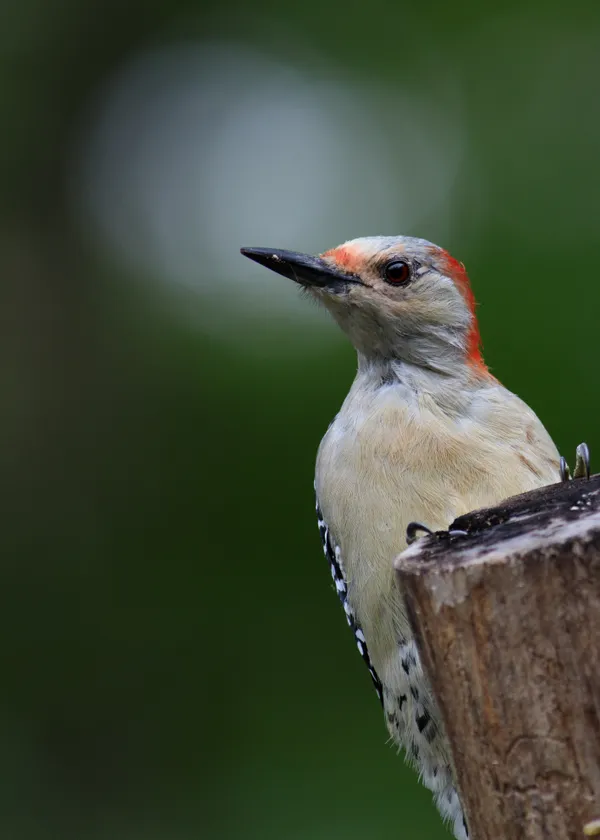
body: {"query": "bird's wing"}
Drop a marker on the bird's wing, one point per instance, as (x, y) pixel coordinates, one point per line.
(334, 556)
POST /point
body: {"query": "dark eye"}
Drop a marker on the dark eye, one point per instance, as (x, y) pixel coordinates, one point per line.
(397, 273)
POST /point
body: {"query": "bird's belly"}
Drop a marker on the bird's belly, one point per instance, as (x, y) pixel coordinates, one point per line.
(382, 469)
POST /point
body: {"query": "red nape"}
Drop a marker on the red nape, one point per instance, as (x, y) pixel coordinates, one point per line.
(458, 273)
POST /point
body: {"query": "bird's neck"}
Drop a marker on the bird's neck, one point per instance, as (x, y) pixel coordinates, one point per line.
(441, 348)
(449, 387)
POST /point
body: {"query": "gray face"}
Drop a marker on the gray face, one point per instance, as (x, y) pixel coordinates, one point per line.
(395, 297)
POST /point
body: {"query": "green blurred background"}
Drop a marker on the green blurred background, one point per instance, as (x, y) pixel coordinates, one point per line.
(174, 661)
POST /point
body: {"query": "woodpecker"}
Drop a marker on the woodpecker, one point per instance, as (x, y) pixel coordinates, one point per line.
(425, 434)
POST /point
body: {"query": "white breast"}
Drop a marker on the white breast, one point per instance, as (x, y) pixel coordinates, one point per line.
(393, 455)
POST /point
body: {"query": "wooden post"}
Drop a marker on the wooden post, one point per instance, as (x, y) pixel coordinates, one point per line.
(507, 619)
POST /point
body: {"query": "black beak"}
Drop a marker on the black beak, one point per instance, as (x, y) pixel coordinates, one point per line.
(301, 268)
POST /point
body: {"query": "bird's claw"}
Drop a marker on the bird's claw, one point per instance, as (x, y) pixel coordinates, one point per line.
(582, 461)
(565, 472)
(412, 530)
(582, 464)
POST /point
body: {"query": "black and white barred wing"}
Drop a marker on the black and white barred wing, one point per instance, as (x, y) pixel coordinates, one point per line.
(334, 556)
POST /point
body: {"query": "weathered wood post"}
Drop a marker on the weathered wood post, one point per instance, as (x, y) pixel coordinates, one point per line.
(507, 618)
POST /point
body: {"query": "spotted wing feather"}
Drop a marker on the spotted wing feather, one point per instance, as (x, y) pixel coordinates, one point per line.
(408, 717)
(334, 556)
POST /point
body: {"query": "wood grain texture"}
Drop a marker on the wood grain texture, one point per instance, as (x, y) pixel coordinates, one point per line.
(507, 619)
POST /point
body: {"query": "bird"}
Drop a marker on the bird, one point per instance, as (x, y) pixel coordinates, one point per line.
(425, 434)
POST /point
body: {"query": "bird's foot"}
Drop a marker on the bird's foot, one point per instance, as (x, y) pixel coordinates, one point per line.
(582, 461)
(413, 528)
(582, 464)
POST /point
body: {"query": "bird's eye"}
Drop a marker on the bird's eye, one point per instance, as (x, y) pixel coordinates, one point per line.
(397, 273)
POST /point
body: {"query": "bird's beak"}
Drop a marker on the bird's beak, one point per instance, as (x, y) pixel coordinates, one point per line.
(301, 268)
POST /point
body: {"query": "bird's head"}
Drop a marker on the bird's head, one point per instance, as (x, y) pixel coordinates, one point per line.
(396, 297)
